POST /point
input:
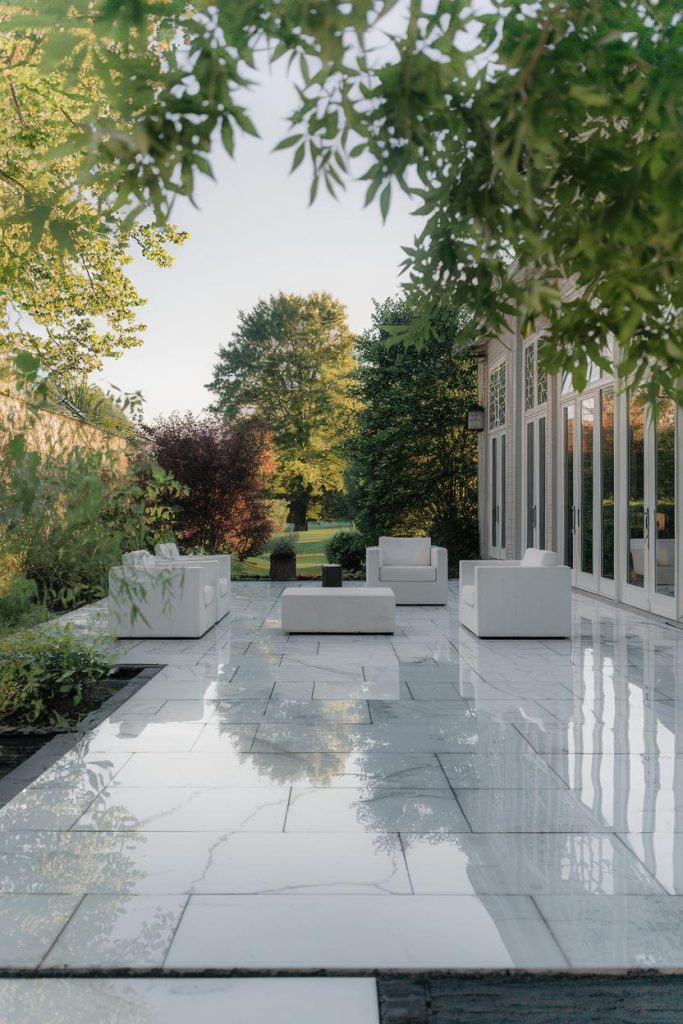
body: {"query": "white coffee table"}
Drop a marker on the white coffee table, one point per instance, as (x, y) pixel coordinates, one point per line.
(338, 610)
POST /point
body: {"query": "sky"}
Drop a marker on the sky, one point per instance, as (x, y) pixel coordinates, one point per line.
(253, 235)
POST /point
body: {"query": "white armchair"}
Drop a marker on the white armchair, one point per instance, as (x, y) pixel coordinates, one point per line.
(531, 598)
(220, 567)
(416, 572)
(150, 598)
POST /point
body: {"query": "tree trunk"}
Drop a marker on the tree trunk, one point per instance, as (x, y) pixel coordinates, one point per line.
(299, 513)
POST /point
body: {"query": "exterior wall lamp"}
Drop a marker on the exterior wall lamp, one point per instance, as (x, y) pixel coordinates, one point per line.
(476, 418)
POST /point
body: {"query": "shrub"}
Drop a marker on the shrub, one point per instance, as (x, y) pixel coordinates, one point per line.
(347, 548)
(46, 676)
(83, 510)
(19, 605)
(225, 469)
(284, 547)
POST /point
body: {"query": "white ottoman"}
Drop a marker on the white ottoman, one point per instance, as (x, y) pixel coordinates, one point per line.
(338, 610)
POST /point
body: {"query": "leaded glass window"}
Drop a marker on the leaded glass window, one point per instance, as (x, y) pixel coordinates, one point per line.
(497, 397)
(541, 385)
(529, 375)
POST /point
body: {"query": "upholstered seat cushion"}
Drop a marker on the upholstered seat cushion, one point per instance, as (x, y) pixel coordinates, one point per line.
(468, 595)
(539, 557)
(407, 574)
(404, 551)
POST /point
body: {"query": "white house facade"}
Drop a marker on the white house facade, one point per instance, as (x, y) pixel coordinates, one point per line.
(596, 476)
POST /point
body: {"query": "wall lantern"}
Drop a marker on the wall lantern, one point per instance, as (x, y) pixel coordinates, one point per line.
(476, 418)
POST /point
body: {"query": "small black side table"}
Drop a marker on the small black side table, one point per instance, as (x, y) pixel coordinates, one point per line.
(332, 575)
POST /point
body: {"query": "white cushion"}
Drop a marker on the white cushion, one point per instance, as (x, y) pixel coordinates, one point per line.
(209, 594)
(405, 551)
(468, 595)
(167, 550)
(666, 552)
(137, 559)
(407, 574)
(223, 586)
(539, 557)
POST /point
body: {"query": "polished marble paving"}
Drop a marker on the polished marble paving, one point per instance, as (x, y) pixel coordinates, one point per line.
(178, 1000)
(415, 801)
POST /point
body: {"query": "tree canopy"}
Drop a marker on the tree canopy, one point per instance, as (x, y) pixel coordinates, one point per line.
(412, 461)
(289, 364)
(224, 470)
(544, 136)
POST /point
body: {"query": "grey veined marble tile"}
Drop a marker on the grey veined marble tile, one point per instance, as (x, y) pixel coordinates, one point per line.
(177, 1000)
(402, 932)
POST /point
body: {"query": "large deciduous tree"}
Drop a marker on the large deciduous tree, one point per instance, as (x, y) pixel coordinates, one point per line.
(226, 470)
(289, 363)
(547, 133)
(413, 464)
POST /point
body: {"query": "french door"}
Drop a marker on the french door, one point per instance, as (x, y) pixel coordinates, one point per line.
(588, 489)
(535, 482)
(650, 520)
(497, 491)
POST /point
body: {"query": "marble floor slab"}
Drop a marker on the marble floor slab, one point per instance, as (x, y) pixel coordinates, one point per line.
(419, 801)
(177, 1000)
(408, 932)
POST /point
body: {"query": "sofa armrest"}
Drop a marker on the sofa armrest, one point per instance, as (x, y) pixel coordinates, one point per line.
(372, 566)
(439, 561)
(467, 568)
(517, 594)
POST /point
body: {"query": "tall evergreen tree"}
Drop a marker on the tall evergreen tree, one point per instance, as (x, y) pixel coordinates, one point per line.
(413, 464)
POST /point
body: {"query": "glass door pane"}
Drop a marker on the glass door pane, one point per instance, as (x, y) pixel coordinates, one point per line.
(665, 498)
(530, 473)
(607, 482)
(635, 553)
(501, 517)
(586, 502)
(568, 430)
(541, 482)
(494, 491)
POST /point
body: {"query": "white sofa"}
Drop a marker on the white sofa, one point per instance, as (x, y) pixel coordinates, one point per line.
(220, 566)
(531, 598)
(150, 598)
(416, 572)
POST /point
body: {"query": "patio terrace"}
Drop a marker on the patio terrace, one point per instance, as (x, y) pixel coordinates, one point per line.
(420, 801)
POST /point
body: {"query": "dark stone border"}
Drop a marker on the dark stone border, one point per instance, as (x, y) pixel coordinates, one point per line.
(29, 770)
(519, 998)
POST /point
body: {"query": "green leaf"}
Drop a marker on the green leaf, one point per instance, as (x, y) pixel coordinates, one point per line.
(385, 200)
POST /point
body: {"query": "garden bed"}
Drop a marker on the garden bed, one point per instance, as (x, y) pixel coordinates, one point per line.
(29, 750)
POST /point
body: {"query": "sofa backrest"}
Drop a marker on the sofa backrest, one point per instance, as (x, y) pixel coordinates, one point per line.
(167, 551)
(405, 550)
(539, 557)
(137, 559)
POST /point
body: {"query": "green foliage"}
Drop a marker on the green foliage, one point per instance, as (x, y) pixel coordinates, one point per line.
(46, 676)
(284, 547)
(289, 362)
(278, 511)
(83, 508)
(551, 143)
(413, 464)
(347, 549)
(19, 605)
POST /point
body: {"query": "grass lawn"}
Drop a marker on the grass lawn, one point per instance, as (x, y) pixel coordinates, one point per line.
(310, 550)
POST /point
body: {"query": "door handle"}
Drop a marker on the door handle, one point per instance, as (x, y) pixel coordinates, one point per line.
(573, 512)
(578, 517)
(646, 531)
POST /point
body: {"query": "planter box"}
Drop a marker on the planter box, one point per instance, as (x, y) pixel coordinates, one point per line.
(283, 567)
